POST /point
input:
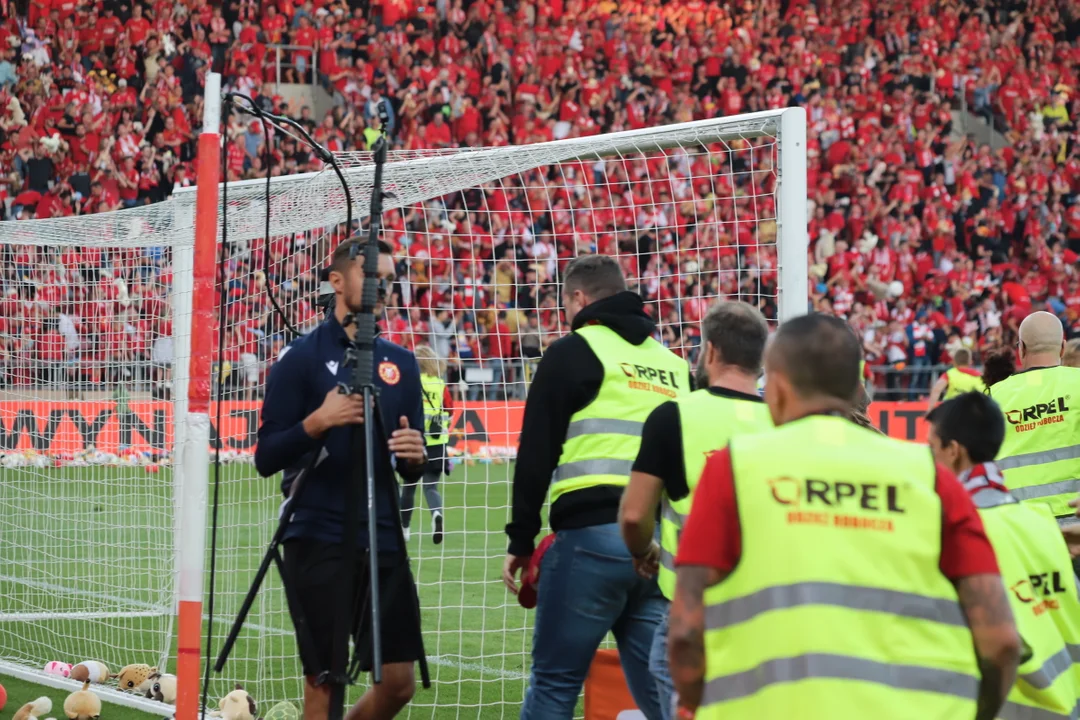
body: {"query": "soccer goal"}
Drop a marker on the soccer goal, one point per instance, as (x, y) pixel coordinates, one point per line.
(105, 525)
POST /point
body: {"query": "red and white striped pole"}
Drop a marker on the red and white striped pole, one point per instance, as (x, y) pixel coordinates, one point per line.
(193, 485)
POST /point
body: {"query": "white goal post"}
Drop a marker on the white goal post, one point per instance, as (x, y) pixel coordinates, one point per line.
(103, 521)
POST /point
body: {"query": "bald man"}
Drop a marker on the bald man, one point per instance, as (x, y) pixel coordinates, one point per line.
(1041, 402)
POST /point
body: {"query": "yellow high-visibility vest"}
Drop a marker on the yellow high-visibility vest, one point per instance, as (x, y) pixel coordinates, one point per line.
(371, 136)
(706, 423)
(1037, 572)
(603, 437)
(960, 382)
(837, 608)
(1041, 452)
(435, 417)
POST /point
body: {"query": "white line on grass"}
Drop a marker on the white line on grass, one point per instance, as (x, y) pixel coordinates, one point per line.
(449, 661)
(43, 616)
(151, 610)
(93, 594)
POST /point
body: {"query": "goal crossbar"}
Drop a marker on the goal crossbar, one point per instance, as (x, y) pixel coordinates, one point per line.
(409, 177)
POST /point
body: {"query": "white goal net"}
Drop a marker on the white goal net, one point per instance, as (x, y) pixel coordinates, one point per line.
(95, 334)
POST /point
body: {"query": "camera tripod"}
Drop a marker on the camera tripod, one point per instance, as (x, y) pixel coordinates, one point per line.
(368, 438)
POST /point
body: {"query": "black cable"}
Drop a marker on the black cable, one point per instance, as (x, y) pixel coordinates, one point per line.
(323, 154)
(222, 297)
(267, 157)
(268, 161)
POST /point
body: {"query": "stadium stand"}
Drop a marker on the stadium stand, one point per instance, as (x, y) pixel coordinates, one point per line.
(923, 239)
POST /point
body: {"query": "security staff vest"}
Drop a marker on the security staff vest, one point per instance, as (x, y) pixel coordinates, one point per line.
(603, 437)
(706, 423)
(1041, 452)
(837, 607)
(435, 418)
(960, 382)
(1037, 572)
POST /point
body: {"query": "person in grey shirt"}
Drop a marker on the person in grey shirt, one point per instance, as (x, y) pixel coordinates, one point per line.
(443, 330)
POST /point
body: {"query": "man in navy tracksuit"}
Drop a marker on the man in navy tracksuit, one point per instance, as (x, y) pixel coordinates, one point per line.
(302, 407)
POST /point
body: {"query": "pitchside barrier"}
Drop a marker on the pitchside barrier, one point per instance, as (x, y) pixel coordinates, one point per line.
(65, 429)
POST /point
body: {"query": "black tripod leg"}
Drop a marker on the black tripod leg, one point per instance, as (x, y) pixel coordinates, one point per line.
(271, 554)
(425, 673)
(374, 597)
(344, 618)
(245, 608)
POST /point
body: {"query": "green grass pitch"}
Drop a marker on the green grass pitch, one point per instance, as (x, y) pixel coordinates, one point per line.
(85, 574)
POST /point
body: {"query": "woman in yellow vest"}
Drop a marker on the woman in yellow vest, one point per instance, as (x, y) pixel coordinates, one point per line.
(437, 407)
(965, 435)
(827, 572)
(957, 380)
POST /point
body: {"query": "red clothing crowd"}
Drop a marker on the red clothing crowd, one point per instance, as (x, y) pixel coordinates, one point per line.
(923, 238)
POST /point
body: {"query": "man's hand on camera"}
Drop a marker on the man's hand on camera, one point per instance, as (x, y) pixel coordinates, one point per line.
(408, 444)
(337, 410)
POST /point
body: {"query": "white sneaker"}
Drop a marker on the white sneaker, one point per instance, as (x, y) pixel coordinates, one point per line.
(436, 527)
(407, 533)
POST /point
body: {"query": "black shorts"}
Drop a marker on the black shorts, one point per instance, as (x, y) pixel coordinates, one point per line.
(312, 569)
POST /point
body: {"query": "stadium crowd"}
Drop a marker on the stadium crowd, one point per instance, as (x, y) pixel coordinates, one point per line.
(923, 240)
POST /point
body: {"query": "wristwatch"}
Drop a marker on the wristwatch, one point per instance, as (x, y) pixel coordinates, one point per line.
(645, 553)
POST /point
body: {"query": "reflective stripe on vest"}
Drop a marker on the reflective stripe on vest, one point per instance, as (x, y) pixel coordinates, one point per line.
(961, 382)
(1036, 568)
(433, 389)
(840, 529)
(1012, 711)
(603, 437)
(1040, 454)
(840, 667)
(706, 422)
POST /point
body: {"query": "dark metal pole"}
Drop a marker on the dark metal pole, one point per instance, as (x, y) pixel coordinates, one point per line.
(363, 380)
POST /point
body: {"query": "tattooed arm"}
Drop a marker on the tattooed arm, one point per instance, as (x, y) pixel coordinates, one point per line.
(997, 644)
(686, 632)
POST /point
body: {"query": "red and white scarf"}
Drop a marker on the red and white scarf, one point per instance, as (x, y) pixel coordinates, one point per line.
(985, 476)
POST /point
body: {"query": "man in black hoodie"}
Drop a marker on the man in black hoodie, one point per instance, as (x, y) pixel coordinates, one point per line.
(582, 428)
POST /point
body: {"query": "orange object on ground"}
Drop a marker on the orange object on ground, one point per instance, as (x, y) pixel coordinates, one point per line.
(607, 696)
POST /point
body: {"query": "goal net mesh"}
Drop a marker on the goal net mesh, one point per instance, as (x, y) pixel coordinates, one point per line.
(93, 366)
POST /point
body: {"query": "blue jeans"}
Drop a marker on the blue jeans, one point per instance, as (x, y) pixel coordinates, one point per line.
(588, 587)
(658, 666)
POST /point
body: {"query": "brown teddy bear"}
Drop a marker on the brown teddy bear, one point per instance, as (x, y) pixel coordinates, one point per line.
(134, 678)
(83, 704)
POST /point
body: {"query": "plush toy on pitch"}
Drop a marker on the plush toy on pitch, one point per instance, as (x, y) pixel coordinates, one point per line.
(61, 669)
(237, 705)
(284, 710)
(34, 710)
(92, 671)
(82, 704)
(135, 678)
(162, 688)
